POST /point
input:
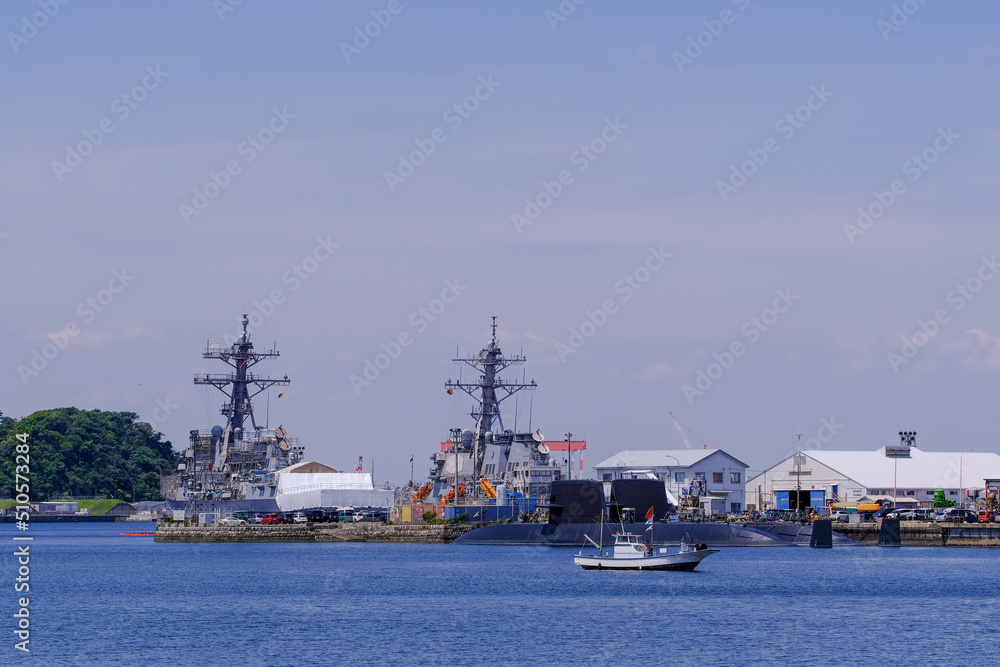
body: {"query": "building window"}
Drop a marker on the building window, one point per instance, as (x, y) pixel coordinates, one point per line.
(953, 493)
(607, 477)
(679, 477)
(734, 507)
(909, 493)
(699, 475)
(716, 478)
(734, 477)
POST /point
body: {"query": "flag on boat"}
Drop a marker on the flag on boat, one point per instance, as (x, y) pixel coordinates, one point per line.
(281, 394)
(451, 391)
(649, 520)
(649, 514)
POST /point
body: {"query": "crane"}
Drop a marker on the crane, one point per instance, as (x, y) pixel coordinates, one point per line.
(678, 425)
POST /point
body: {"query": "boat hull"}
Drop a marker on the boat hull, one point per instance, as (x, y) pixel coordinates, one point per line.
(685, 561)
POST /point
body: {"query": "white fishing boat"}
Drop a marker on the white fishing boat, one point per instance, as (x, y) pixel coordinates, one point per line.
(630, 552)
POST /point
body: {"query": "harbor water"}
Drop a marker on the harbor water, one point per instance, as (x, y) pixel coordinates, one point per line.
(98, 597)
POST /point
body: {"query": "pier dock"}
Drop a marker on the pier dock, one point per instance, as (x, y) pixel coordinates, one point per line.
(308, 532)
(924, 534)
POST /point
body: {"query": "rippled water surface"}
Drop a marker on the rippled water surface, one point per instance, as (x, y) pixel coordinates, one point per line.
(101, 598)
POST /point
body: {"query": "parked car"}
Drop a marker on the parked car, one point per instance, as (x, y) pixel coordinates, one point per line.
(299, 517)
(286, 517)
(271, 518)
(316, 516)
(257, 518)
(232, 521)
(880, 514)
(332, 517)
(955, 515)
(345, 514)
(838, 516)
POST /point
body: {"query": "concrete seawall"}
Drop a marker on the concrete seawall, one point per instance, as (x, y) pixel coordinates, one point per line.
(924, 534)
(352, 532)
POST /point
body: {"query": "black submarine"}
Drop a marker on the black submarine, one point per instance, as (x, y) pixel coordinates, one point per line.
(578, 509)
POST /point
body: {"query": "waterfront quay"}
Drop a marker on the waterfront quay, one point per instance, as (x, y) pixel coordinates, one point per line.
(309, 532)
(924, 534)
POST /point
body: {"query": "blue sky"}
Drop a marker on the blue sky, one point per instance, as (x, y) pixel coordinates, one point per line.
(887, 96)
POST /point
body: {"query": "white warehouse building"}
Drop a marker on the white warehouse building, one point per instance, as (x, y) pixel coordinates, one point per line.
(818, 477)
(722, 475)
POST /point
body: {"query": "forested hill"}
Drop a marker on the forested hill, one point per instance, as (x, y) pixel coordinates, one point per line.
(88, 454)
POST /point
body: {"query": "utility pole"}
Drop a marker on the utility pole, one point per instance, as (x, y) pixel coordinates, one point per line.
(569, 455)
(798, 476)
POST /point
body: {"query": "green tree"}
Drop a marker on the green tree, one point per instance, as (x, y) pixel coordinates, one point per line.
(87, 453)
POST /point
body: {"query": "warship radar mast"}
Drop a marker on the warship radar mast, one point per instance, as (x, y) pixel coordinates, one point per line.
(489, 363)
(242, 358)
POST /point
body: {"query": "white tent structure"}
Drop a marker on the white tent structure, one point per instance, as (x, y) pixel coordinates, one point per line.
(313, 485)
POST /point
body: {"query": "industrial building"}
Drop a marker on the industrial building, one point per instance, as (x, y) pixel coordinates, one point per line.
(816, 478)
(717, 478)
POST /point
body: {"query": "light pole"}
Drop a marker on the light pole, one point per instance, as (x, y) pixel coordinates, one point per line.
(906, 440)
(961, 490)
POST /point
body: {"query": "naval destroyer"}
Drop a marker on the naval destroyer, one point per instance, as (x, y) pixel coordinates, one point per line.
(232, 467)
(475, 462)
